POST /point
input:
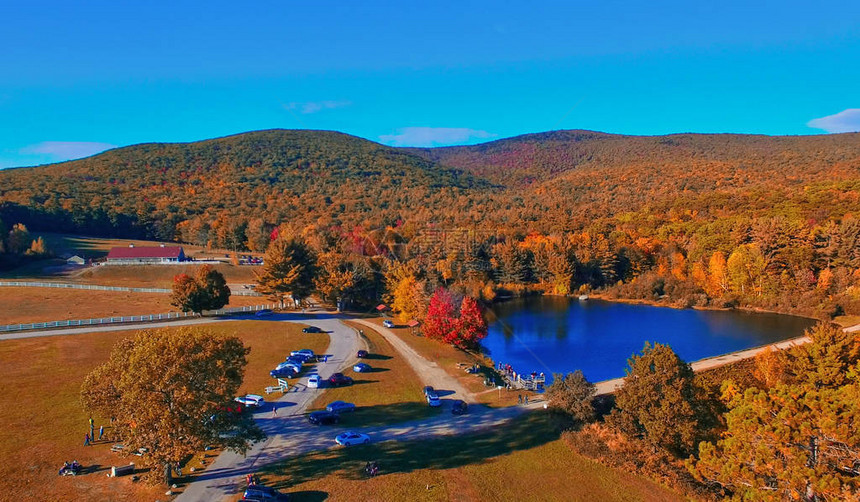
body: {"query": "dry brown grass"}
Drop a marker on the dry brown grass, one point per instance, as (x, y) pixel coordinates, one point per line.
(98, 247)
(524, 461)
(25, 304)
(43, 423)
(392, 393)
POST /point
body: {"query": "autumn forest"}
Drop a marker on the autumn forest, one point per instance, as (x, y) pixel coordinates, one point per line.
(686, 220)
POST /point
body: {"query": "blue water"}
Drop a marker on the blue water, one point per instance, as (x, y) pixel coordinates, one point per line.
(560, 335)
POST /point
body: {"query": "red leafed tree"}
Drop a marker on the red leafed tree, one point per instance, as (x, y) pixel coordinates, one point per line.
(441, 322)
(472, 328)
(464, 329)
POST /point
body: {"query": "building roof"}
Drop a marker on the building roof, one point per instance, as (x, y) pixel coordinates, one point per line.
(131, 252)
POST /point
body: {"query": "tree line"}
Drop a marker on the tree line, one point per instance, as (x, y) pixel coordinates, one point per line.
(789, 429)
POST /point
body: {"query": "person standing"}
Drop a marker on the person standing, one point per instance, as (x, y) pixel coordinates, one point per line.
(101, 432)
(274, 411)
(86, 439)
(92, 428)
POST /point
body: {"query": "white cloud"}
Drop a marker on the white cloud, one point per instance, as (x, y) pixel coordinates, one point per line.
(433, 136)
(66, 150)
(316, 106)
(844, 121)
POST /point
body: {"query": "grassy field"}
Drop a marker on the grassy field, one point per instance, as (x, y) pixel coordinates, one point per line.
(524, 461)
(25, 304)
(392, 393)
(45, 425)
(155, 276)
(98, 247)
(455, 362)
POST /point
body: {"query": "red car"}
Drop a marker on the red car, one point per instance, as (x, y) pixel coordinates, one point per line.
(339, 379)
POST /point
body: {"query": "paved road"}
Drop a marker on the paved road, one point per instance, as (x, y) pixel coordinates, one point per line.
(610, 386)
(287, 431)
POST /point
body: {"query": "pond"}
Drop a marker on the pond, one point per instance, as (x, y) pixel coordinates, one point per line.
(560, 335)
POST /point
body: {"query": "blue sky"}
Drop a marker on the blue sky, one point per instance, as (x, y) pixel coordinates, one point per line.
(79, 77)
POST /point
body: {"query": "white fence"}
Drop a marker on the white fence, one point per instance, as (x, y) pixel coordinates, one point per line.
(66, 285)
(8, 328)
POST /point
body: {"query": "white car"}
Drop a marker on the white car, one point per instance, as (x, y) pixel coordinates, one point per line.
(314, 381)
(251, 400)
(351, 438)
(388, 323)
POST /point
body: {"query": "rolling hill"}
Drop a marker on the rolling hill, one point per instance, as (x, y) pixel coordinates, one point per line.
(550, 181)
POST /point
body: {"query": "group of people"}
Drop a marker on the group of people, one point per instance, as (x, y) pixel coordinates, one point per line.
(90, 437)
(72, 468)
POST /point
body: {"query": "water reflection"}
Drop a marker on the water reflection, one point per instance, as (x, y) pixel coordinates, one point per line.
(553, 334)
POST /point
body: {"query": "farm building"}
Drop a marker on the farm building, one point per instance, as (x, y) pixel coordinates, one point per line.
(76, 260)
(145, 255)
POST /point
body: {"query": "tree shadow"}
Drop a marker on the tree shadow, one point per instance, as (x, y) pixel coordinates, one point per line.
(447, 452)
(386, 414)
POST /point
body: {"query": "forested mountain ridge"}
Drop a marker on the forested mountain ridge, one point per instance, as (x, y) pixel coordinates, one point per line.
(274, 175)
(553, 181)
(691, 219)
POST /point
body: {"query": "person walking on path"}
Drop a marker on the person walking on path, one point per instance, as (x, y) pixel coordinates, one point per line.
(274, 411)
(519, 399)
(101, 432)
(527, 399)
(86, 439)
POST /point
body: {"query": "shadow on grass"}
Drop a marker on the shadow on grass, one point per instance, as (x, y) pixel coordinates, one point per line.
(378, 357)
(362, 382)
(386, 414)
(376, 370)
(402, 457)
(309, 496)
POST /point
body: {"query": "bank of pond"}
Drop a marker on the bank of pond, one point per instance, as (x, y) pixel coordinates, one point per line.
(558, 335)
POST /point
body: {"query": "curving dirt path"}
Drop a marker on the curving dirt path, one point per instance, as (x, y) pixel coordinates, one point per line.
(428, 371)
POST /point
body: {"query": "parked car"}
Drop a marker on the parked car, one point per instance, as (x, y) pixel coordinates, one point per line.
(284, 372)
(339, 379)
(306, 353)
(295, 365)
(351, 438)
(264, 494)
(433, 399)
(311, 329)
(323, 418)
(428, 390)
(252, 400)
(361, 368)
(297, 360)
(263, 313)
(388, 323)
(361, 354)
(314, 381)
(340, 407)
(459, 407)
